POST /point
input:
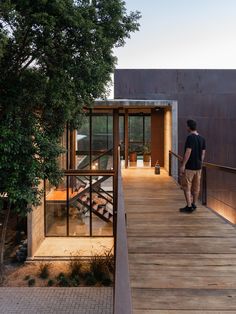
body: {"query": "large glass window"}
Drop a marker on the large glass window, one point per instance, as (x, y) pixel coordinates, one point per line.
(56, 209)
(83, 144)
(96, 134)
(102, 206)
(79, 206)
(139, 132)
(102, 142)
(82, 205)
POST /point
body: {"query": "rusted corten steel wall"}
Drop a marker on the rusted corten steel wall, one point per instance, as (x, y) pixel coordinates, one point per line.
(207, 96)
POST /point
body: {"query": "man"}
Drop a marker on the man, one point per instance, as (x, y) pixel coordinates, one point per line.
(190, 170)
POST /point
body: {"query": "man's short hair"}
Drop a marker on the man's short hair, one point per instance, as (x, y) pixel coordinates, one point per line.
(192, 125)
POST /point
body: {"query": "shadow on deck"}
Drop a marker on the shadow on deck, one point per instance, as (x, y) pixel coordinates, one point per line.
(179, 263)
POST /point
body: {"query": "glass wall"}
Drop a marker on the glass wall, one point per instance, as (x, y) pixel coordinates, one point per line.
(94, 147)
(82, 204)
(139, 132)
(56, 209)
(83, 144)
(102, 142)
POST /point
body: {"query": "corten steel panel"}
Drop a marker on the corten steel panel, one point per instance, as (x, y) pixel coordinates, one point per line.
(147, 84)
(207, 96)
(157, 137)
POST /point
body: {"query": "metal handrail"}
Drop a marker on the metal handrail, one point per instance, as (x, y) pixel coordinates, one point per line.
(208, 164)
(122, 289)
(205, 166)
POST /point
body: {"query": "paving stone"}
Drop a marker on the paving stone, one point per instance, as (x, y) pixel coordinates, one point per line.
(35, 300)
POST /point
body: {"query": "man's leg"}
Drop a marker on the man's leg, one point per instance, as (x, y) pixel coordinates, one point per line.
(186, 182)
(188, 197)
(195, 198)
(196, 187)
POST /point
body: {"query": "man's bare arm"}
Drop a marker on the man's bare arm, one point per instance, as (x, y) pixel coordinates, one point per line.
(185, 160)
(186, 156)
(203, 155)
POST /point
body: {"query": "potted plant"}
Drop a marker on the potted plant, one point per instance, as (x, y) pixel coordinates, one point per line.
(146, 153)
(133, 156)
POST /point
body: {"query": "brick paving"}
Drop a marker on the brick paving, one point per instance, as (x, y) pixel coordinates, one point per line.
(82, 300)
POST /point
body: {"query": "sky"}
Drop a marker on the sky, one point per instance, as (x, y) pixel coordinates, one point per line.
(183, 34)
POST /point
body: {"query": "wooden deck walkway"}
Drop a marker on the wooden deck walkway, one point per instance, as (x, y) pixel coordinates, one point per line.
(179, 263)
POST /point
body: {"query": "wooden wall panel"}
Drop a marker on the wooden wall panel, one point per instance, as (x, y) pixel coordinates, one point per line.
(157, 137)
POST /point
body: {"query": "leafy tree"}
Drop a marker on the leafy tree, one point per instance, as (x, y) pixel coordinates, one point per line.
(55, 56)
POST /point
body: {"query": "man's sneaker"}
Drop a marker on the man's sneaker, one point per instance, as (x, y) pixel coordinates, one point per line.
(194, 207)
(186, 209)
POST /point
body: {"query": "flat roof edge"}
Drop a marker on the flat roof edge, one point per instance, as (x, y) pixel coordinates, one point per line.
(115, 103)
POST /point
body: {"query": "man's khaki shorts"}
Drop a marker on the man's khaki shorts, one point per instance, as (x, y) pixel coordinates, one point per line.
(191, 181)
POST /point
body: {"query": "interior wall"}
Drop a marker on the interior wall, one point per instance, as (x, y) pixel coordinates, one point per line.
(167, 136)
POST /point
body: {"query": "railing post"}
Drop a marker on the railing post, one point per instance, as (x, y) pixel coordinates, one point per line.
(204, 186)
(170, 163)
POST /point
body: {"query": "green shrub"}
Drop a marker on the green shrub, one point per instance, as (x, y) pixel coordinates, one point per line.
(75, 281)
(102, 266)
(90, 280)
(63, 281)
(109, 260)
(50, 283)
(44, 270)
(106, 281)
(31, 282)
(75, 268)
(97, 267)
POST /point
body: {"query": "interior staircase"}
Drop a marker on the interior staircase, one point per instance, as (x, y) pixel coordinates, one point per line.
(101, 205)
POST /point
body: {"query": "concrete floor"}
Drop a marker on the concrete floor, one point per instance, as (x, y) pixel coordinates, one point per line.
(61, 247)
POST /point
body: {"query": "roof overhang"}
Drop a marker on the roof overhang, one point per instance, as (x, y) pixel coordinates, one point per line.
(133, 103)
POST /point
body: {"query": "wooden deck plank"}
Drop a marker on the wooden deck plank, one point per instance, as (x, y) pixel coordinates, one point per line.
(181, 312)
(184, 299)
(179, 263)
(183, 259)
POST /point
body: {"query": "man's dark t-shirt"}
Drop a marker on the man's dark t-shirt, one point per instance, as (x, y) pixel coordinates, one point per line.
(197, 143)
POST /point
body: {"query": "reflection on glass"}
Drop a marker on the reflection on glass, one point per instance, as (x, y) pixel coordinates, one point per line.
(102, 142)
(139, 140)
(102, 207)
(56, 209)
(79, 201)
(147, 129)
(83, 145)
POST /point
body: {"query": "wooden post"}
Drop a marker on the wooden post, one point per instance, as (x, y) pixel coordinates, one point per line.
(204, 186)
(157, 136)
(116, 151)
(72, 154)
(170, 163)
(116, 140)
(126, 138)
(73, 149)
